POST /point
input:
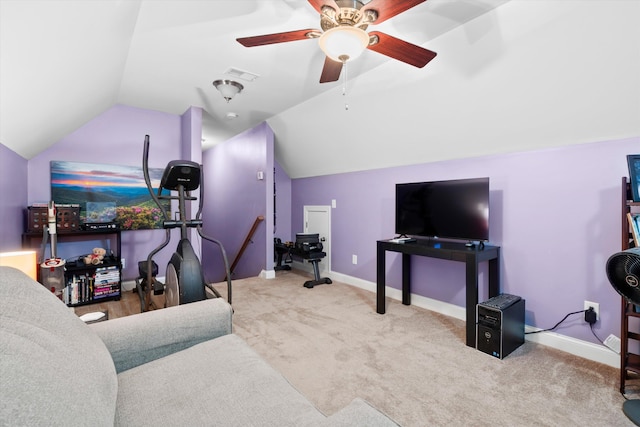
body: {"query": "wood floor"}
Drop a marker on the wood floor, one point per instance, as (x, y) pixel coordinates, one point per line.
(128, 304)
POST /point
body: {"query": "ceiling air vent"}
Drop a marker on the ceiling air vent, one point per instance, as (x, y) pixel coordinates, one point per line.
(241, 74)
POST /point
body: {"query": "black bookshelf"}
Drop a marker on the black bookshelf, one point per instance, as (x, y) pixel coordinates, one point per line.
(87, 283)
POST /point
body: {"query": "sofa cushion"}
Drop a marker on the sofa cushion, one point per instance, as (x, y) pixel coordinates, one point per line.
(218, 382)
(53, 369)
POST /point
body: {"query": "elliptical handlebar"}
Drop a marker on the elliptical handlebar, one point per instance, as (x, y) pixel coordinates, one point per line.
(211, 239)
(167, 237)
(147, 179)
(192, 223)
(224, 258)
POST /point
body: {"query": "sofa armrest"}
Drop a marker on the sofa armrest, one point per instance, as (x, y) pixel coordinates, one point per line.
(141, 338)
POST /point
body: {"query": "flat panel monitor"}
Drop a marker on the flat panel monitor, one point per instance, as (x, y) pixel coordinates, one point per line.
(454, 209)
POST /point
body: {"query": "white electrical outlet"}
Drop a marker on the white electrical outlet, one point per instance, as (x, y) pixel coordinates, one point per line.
(354, 259)
(123, 262)
(596, 308)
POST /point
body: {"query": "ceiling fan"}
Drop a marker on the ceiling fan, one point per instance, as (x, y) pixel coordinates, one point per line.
(344, 37)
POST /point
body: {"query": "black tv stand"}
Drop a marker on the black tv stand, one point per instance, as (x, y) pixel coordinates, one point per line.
(473, 245)
(455, 251)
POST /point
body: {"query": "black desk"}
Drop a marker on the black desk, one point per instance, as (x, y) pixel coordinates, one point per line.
(443, 250)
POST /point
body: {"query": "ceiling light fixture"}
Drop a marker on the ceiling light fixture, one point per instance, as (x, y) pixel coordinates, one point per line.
(228, 88)
(344, 43)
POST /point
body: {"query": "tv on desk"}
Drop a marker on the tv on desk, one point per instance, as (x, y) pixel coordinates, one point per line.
(454, 209)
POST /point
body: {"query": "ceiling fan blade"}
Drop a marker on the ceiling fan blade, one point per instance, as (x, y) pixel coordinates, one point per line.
(401, 50)
(389, 8)
(317, 4)
(289, 36)
(330, 71)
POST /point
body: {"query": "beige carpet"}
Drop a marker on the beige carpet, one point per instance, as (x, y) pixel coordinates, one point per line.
(412, 363)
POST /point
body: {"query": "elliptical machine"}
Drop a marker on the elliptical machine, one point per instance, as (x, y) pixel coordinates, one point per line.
(184, 276)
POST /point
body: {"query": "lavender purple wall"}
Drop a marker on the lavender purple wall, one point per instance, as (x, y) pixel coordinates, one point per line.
(282, 227)
(234, 195)
(191, 136)
(116, 137)
(237, 197)
(556, 214)
(13, 191)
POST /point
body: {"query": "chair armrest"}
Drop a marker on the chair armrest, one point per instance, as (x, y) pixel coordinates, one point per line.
(141, 338)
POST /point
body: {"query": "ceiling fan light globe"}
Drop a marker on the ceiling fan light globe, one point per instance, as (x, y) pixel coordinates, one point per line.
(344, 43)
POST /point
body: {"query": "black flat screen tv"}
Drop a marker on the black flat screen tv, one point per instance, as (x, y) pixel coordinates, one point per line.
(454, 209)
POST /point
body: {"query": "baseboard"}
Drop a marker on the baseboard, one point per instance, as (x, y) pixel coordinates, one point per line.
(130, 285)
(585, 349)
(267, 274)
(595, 352)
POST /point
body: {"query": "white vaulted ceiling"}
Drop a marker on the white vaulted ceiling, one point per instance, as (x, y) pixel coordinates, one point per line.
(502, 67)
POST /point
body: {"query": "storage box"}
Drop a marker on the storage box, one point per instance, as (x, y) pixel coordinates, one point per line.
(67, 218)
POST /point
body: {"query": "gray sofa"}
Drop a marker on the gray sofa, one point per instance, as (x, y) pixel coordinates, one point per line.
(177, 366)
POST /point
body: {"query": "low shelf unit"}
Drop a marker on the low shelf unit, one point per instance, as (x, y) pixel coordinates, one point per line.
(87, 283)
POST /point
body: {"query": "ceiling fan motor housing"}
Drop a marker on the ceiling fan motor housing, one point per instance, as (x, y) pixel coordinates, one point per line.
(623, 272)
(349, 14)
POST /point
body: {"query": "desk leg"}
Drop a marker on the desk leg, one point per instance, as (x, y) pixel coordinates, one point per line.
(494, 276)
(406, 279)
(472, 298)
(380, 280)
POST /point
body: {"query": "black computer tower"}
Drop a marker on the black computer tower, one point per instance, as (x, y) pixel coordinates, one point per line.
(500, 325)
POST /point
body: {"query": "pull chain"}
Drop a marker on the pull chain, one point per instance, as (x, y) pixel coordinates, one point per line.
(344, 86)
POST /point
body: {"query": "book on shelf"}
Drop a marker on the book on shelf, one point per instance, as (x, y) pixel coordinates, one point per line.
(106, 290)
(110, 293)
(87, 287)
(634, 225)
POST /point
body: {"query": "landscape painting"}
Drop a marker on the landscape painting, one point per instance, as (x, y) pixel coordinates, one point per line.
(108, 193)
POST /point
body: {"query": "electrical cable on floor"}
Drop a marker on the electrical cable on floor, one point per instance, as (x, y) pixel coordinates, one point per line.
(557, 324)
(592, 331)
(601, 342)
(597, 337)
(565, 318)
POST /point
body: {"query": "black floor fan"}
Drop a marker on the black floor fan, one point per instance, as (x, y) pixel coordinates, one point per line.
(623, 271)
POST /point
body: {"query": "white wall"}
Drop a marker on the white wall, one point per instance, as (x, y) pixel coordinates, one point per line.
(527, 75)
